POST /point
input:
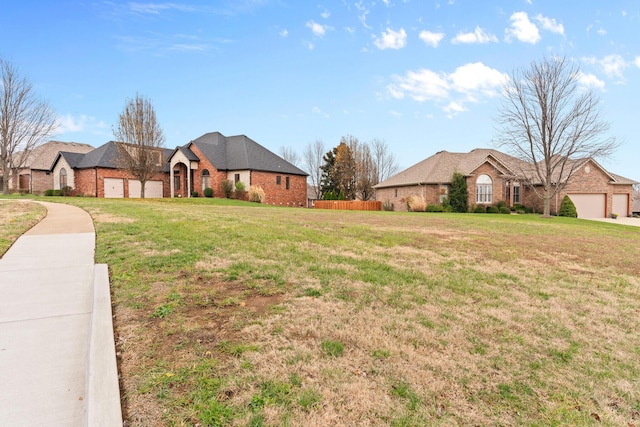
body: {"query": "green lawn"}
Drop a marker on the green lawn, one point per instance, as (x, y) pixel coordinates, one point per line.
(230, 313)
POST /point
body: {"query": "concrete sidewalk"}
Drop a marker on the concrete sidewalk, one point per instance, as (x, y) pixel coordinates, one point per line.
(57, 356)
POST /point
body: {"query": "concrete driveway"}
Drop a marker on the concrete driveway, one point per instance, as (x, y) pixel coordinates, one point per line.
(635, 222)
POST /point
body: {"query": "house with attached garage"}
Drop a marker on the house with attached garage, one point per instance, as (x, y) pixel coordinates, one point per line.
(99, 173)
(186, 170)
(493, 177)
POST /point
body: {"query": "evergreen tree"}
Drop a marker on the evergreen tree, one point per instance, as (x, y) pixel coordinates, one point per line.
(567, 208)
(459, 194)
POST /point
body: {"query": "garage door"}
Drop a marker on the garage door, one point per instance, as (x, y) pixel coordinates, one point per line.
(589, 205)
(621, 204)
(113, 187)
(152, 189)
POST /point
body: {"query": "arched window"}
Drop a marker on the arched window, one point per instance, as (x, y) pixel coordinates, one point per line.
(484, 189)
(63, 178)
(206, 179)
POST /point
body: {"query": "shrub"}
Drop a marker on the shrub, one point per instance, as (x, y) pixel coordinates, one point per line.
(387, 206)
(417, 204)
(501, 204)
(66, 191)
(505, 210)
(57, 192)
(208, 192)
(48, 192)
(240, 190)
(480, 209)
(227, 188)
(256, 194)
(194, 194)
(567, 208)
(435, 208)
(493, 209)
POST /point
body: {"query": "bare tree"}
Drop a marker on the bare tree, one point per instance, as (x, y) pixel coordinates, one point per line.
(312, 159)
(385, 163)
(25, 122)
(552, 124)
(290, 155)
(365, 173)
(140, 139)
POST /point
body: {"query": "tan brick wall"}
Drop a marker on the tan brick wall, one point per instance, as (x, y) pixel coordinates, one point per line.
(278, 195)
(41, 181)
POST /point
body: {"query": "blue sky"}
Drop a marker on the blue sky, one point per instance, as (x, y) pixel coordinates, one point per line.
(423, 75)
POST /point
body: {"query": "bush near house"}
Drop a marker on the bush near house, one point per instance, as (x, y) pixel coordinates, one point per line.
(505, 210)
(567, 208)
(240, 190)
(256, 194)
(227, 188)
(493, 209)
(208, 192)
(480, 209)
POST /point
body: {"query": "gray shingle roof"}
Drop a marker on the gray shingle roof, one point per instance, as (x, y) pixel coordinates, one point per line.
(241, 153)
(105, 156)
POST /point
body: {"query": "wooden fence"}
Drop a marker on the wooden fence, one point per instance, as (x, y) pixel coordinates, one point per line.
(348, 205)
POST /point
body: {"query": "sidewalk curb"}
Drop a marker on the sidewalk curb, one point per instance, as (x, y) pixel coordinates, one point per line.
(103, 390)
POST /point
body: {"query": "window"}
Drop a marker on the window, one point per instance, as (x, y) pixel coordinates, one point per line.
(286, 182)
(516, 192)
(206, 179)
(176, 179)
(236, 178)
(63, 178)
(396, 193)
(484, 189)
(278, 179)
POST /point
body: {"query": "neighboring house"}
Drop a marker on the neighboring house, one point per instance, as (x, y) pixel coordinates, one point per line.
(35, 175)
(635, 202)
(312, 195)
(212, 158)
(99, 174)
(203, 162)
(493, 176)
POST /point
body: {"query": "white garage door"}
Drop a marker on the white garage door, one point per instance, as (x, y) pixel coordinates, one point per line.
(152, 189)
(113, 187)
(621, 204)
(589, 205)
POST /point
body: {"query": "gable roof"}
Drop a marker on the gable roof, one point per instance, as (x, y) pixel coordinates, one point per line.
(228, 153)
(439, 168)
(105, 156)
(42, 156)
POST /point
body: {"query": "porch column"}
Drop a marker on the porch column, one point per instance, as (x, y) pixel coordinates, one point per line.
(188, 180)
(171, 180)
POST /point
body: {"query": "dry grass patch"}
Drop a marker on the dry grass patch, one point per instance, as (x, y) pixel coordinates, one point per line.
(243, 315)
(16, 217)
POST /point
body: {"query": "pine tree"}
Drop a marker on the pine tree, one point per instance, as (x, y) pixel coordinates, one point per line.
(459, 194)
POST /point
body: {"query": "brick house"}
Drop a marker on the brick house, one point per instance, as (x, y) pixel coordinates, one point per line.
(212, 158)
(203, 162)
(35, 176)
(493, 176)
(98, 174)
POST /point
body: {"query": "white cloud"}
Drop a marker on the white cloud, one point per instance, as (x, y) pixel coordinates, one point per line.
(478, 36)
(363, 12)
(81, 123)
(284, 33)
(601, 32)
(157, 8)
(637, 61)
(612, 65)
(550, 24)
(590, 81)
(395, 113)
(391, 39)
(430, 38)
(318, 30)
(309, 45)
(318, 111)
(469, 83)
(326, 14)
(522, 29)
